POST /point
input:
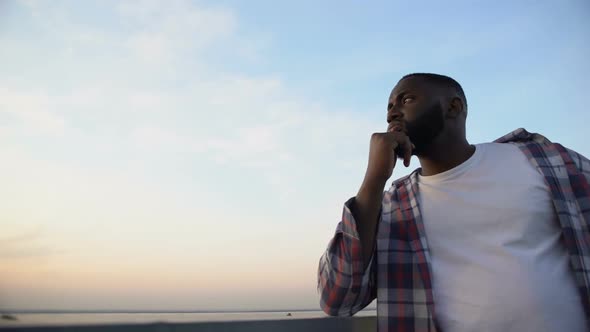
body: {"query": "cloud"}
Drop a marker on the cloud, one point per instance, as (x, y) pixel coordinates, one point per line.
(26, 244)
(28, 251)
(147, 150)
(55, 20)
(29, 113)
(26, 236)
(164, 33)
(217, 116)
(155, 139)
(217, 121)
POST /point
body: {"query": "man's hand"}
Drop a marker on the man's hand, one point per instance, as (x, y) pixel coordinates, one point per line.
(385, 148)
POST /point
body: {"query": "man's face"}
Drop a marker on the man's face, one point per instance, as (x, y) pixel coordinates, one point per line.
(415, 105)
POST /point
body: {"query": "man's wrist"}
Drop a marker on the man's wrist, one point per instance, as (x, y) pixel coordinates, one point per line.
(372, 186)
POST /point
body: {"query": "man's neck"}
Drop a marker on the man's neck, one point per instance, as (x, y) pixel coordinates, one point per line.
(444, 155)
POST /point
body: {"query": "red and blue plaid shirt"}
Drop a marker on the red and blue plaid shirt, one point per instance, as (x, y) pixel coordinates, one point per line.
(399, 273)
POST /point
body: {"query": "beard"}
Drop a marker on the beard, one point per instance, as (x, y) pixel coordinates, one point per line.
(423, 130)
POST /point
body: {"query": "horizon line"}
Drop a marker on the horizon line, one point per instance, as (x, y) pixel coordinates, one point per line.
(127, 311)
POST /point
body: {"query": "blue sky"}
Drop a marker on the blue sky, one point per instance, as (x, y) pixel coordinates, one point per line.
(196, 154)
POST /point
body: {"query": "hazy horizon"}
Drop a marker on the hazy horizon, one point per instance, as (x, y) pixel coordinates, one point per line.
(195, 155)
(82, 311)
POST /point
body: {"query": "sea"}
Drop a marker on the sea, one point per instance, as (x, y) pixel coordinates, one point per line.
(109, 318)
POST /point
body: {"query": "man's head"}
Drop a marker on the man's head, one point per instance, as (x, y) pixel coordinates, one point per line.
(429, 107)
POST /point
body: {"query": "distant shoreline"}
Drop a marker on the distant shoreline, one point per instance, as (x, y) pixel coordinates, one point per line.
(53, 311)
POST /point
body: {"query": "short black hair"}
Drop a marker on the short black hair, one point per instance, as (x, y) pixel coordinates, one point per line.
(442, 80)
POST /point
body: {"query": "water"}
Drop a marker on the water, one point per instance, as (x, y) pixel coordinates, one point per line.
(64, 319)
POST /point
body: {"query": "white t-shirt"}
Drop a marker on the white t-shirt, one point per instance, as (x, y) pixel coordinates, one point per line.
(498, 259)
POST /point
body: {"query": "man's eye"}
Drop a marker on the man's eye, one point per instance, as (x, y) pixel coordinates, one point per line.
(408, 100)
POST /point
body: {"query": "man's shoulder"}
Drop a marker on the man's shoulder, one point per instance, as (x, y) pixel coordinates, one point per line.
(542, 150)
(522, 135)
(529, 141)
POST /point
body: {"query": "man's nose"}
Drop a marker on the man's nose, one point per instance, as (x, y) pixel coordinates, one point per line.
(394, 115)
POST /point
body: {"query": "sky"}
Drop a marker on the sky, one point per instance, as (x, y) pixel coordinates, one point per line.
(196, 155)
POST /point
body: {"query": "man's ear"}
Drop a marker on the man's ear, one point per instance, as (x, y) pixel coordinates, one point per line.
(455, 107)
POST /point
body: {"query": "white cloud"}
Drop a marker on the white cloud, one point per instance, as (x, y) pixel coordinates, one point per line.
(242, 122)
(54, 18)
(227, 118)
(155, 138)
(153, 48)
(167, 31)
(29, 114)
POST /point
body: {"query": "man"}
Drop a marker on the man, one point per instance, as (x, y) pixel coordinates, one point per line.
(486, 237)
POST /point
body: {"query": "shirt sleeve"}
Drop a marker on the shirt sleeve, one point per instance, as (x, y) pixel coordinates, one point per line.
(344, 284)
(582, 163)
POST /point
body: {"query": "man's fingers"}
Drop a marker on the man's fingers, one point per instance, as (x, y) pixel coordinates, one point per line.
(402, 144)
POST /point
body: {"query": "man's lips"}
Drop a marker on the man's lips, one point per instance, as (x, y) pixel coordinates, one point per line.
(396, 126)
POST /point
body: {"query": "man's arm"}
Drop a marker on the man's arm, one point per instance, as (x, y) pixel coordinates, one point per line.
(367, 204)
(346, 274)
(366, 208)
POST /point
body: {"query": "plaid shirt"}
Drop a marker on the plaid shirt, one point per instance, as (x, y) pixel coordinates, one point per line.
(400, 276)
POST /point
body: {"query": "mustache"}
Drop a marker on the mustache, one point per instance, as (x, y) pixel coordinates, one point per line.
(396, 126)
